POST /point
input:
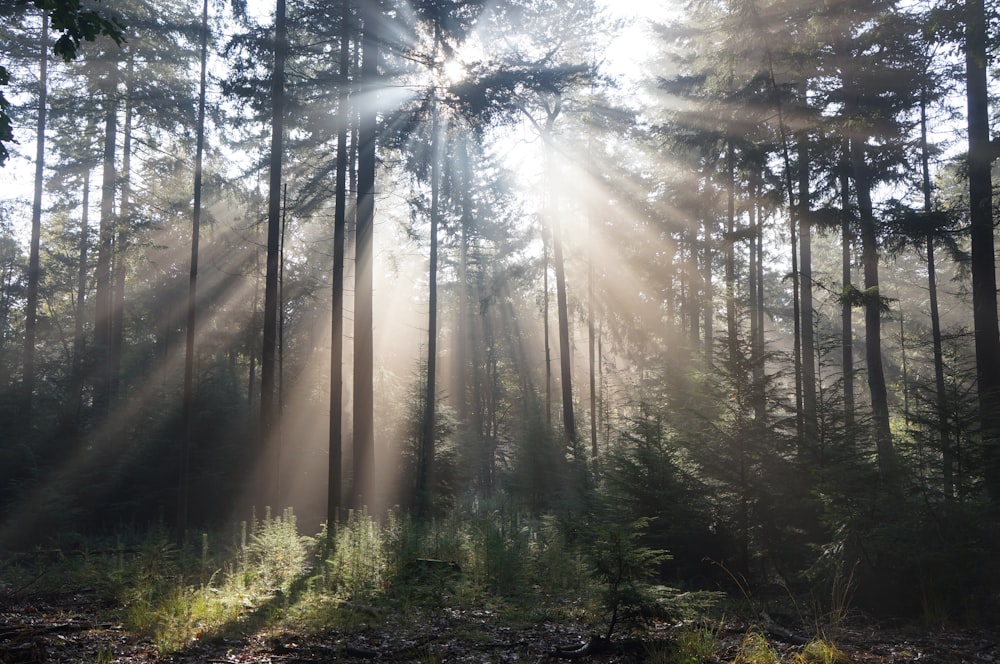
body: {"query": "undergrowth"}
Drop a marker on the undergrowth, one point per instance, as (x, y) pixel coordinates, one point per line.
(265, 576)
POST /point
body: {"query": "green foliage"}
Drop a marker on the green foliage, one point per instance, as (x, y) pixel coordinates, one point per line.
(821, 651)
(500, 551)
(276, 553)
(859, 299)
(694, 646)
(687, 646)
(624, 569)
(755, 649)
(77, 25)
(360, 561)
(6, 131)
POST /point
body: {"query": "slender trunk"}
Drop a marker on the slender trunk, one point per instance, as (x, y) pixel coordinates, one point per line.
(565, 352)
(79, 340)
(31, 306)
(254, 327)
(268, 416)
(474, 413)
(846, 318)
(797, 318)
(102, 297)
(464, 337)
(336, 443)
(364, 425)
(906, 375)
(192, 304)
(690, 286)
(793, 239)
(756, 305)
(562, 307)
(732, 342)
(708, 294)
(118, 263)
(545, 325)
(873, 314)
(425, 473)
(984, 286)
(591, 342)
(944, 429)
(810, 422)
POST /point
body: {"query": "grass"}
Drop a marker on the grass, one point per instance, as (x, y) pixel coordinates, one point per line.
(756, 649)
(821, 651)
(266, 577)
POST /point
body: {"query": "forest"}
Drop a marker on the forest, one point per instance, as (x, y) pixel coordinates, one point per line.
(653, 326)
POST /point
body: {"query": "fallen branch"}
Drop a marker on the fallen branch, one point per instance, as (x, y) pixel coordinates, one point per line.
(596, 644)
(775, 630)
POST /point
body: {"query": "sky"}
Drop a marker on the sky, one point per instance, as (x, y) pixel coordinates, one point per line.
(624, 58)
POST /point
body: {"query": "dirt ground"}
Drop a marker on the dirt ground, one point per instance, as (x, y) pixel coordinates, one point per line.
(73, 628)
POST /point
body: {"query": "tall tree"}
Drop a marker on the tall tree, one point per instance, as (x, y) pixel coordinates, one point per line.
(31, 306)
(335, 486)
(425, 467)
(364, 401)
(103, 295)
(268, 414)
(982, 153)
(810, 424)
(847, 286)
(192, 301)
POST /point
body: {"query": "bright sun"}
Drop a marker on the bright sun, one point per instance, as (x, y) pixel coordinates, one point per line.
(454, 70)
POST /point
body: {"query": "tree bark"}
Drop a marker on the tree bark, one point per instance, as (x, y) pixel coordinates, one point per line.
(75, 401)
(732, 340)
(187, 409)
(757, 305)
(984, 286)
(336, 441)
(941, 401)
(873, 314)
(31, 305)
(268, 415)
(846, 317)
(810, 422)
(364, 425)
(103, 296)
(425, 467)
(119, 265)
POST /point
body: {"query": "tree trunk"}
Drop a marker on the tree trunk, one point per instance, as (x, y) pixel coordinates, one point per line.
(268, 416)
(708, 295)
(984, 286)
(31, 305)
(873, 314)
(336, 442)
(944, 429)
(796, 315)
(810, 422)
(565, 351)
(187, 409)
(545, 324)
(119, 265)
(846, 317)
(102, 296)
(732, 341)
(364, 425)
(75, 401)
(756, 306)
(592, 342)
(562, 307)
(425, 472)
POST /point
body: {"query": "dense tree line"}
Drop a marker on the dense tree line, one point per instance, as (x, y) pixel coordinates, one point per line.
(359, 254)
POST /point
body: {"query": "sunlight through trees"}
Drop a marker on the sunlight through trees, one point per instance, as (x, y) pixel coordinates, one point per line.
(722, 269)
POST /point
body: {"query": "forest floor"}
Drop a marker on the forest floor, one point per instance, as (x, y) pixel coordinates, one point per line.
(81, 627)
